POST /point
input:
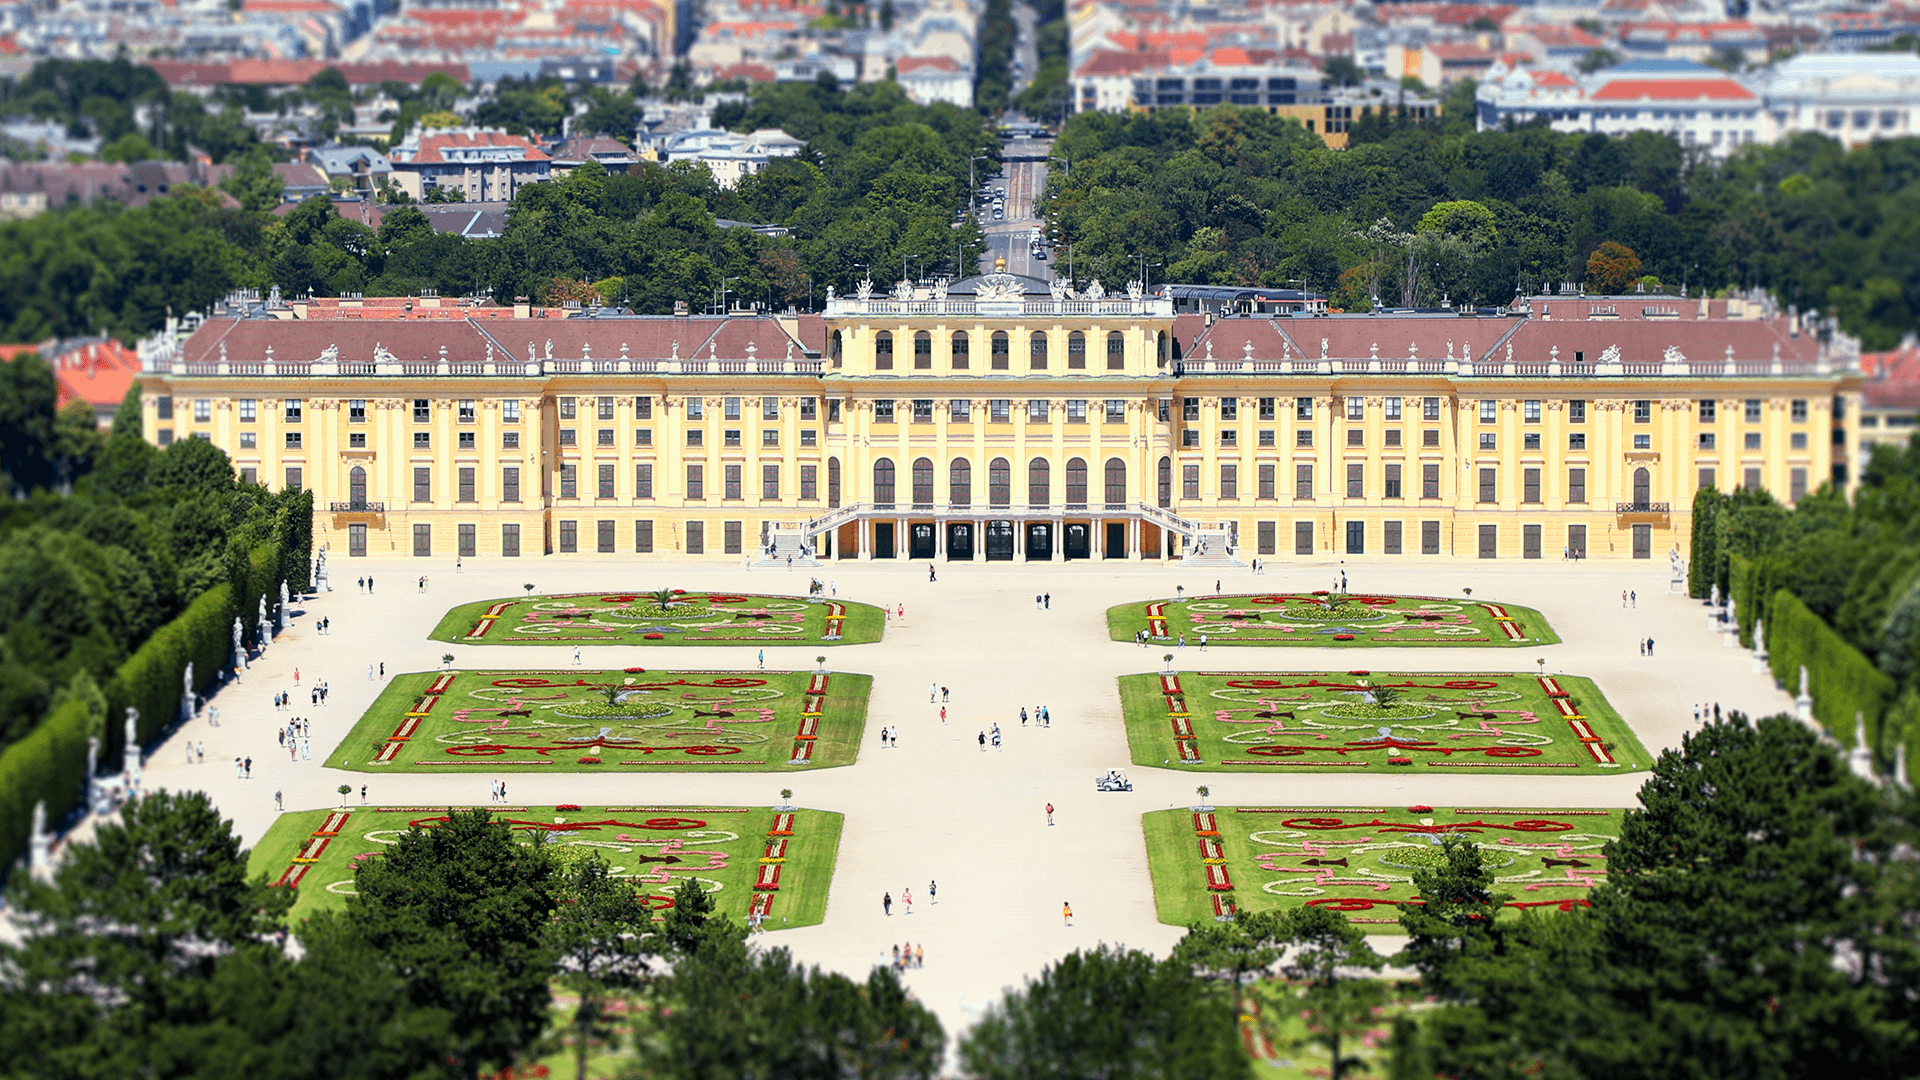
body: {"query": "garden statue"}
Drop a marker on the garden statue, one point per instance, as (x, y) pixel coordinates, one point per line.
(239, 650)
(1759, 646)
(1803, 703)
(39, 844)
(93, 766)
(1713, 598)
(1731, 632)
(1900, 764)
(131, 750)
(186, 693)
(1860, 758)
(283, 604)
(266, 629)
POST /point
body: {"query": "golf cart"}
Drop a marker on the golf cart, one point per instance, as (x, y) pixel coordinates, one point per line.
(1112, 780)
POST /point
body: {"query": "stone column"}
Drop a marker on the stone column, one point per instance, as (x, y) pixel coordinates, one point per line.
(979, 540)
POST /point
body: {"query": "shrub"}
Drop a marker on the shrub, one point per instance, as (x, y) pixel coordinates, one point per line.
(49, 766)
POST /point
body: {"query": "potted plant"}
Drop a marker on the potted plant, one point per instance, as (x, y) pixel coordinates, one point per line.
(1203, 791)
(446, 659)
(1169, 659)
(344, 790)
(786, 796)
(1542, 661)
(529, 587)
(822, 661)
(1468, 592)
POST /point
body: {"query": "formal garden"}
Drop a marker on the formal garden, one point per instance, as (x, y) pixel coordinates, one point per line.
(1239, 721)
(1360, 861)
(770, 865)
(662, 617)
(634, 720)
(1329, 619)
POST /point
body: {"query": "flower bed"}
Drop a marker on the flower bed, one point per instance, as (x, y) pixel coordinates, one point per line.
(654, 848)
(1321, 619)
(634, 619)
(562, 720)
(1236, 721)
(1362, 862)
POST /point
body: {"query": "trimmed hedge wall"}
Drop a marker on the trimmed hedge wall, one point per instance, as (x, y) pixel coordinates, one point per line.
(49, 765)
(1843, 682)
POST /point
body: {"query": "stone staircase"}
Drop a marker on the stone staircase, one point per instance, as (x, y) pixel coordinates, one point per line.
(1212, 548)
(787, 542)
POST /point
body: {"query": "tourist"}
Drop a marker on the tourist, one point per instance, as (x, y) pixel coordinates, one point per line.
(1023, 716)
(213, 716)
(933, 691)
(930, 575)
(943, 716)
(1183, 641)
(1047, 599)
(943, 695)
(933, 892)
(1623, 598)
(277, 804)
(1067, 911)
(249, 769)
(1046, 718)
(1216, 586)
(1049, 813)
(238, 772)
(1036, 601)
(362, 582)
(906, 899)
(1203, 643)
(1633, 599)
(576, 656)
(1343, 581)
(763, 659)
(896, 955)
(369, 672)
(369, 582)
(983, 742)
(902, 613)
(886, 905)
(833, 587)
(1649, 646)
(383, 663)
(920, 955)
(363, 794)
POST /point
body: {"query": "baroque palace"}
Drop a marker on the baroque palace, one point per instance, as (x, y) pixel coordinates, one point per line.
(1006, 418)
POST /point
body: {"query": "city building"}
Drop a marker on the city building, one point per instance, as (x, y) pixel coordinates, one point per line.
(484, 164)
(930, 79)
(1697, 105)
(1854, 98)
(96, 370)
(1890, 398)
(977, 420)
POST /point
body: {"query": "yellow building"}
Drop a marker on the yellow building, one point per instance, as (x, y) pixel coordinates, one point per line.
(998, 419)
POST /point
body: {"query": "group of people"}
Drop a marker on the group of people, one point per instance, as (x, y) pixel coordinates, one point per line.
(909, 956)
(297, 738)
(366, 584)
(889, 738)
(499, 791)
(1646, 646)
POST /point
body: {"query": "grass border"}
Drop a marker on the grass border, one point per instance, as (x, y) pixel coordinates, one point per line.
(1124, 620)
(865, 625)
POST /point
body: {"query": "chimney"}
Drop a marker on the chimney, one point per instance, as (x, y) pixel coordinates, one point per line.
(680, 309)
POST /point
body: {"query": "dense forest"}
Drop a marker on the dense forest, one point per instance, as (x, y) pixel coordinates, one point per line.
(1240, 197)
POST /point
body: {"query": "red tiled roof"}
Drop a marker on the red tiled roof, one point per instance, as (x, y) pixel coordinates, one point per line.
(915, 63)
(1672, 90)
(433, 146)
(1112, 62)
(99, 373)
(750, 72)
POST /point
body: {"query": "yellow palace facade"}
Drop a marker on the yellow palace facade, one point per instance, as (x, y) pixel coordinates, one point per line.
(1007, 419)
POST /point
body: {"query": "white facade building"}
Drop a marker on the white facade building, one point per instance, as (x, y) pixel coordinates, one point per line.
(1852, 97)
(1697, 105)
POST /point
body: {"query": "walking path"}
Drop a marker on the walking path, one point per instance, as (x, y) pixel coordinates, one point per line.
(937, 808)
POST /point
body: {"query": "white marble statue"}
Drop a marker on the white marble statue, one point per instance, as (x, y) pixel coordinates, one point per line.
(39, 844)
(131, 750)
(186, 693)
(239, 650)
(93, 769)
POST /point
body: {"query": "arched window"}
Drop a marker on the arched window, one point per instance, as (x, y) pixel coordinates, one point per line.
(883, 482)
(1076, 351)
(1038, 482)
(922, 351)
(1642, 487)
(1163, 348)
(1037, 345)
(1000, 350)
(1116, 351)
(922, 480)
(836, 348)
(1166, 482)
(833, 482)
(960, 482)
(1116, 482)
(883, 351)
(999, 482)
(357, 487)
(1077, 481)
(960, 356)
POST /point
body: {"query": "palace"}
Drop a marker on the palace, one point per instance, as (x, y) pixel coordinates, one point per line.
(1006, 418)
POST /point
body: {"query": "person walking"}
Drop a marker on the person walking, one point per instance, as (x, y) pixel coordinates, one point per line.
(369, 583)
(1066, 910)
(249, 768)
(933, 691)
(1046, 717)
(363, 794)
(383, 663)
(1203, 643)
(943, 695)
(1633, 598)
(906, 899)
(1047, 599)
(1623, 598)
(1049, 813)
(1649, 646)
(920, 955)
(763, 659)
(943, 716)
(576, 656)
(930, 576)
(277, 804)
(1036, 601)
(1023, 716)
(886, 905)
(933, 891)
(983, 742)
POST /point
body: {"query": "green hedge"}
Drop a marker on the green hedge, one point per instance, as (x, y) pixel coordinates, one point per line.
(49, 766)
(1745, 588)
(150, 679)
(1843, 681)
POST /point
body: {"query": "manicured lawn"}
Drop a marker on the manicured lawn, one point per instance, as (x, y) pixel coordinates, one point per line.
(1361, 860)
(1248, 721)
(656, 847)
(636, 619)
(561, 721)
(1319, 620)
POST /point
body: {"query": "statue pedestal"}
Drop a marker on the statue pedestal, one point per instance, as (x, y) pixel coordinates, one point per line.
(1760, 665)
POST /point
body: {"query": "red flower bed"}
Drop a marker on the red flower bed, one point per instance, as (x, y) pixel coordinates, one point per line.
(1343, 637)
(589, 761)
(1359, 672)
(1399, 761)
(679, 592)
(656, 637)
(636, 670)
(566, 806)
(1419, 809)
(1319, 592)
